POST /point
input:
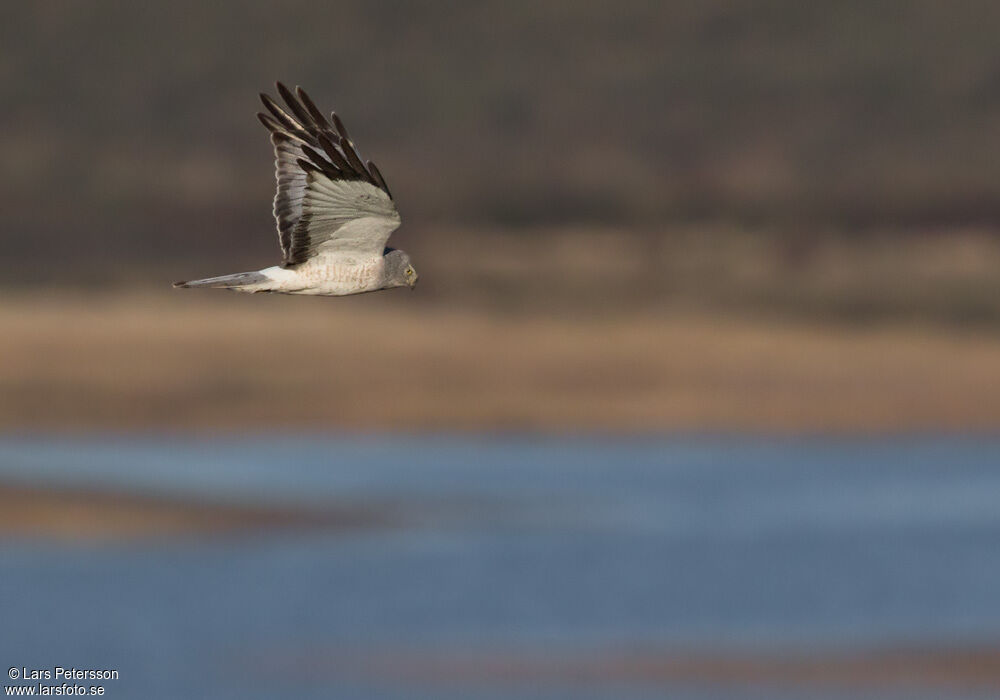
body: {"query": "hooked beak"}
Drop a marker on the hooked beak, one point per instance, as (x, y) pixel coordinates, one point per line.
(413, 282)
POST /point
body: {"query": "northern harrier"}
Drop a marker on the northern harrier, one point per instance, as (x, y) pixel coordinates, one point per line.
(334, 212)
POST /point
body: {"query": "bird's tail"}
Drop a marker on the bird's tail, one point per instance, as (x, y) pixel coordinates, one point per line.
(240, 281)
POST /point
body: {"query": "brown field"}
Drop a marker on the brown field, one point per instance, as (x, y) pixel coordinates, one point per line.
(933, 670)
(89, 515)
(218, 361)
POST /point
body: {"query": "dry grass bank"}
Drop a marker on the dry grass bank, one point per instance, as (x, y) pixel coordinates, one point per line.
(87, 515)
(936, 671)
(221, 361)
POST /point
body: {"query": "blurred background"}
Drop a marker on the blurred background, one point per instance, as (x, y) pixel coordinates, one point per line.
(699, 393)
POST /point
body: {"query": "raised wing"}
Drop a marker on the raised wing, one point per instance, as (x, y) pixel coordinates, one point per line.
(329, 201)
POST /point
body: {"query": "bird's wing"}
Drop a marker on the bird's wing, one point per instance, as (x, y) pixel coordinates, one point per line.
(329, 202)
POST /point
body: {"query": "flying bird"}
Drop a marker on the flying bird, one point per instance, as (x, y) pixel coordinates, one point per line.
(334, 211)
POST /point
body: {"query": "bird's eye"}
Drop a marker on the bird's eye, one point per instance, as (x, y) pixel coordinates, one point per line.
(409, 271)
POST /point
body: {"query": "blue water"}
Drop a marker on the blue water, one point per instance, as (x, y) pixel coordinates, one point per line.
(511, 546)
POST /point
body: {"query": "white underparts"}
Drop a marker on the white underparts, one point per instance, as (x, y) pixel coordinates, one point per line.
(323, 276)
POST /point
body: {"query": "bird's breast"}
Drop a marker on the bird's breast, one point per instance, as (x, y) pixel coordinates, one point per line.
(341, 276)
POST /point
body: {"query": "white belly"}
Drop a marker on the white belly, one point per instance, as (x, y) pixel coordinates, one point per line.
(322, 277)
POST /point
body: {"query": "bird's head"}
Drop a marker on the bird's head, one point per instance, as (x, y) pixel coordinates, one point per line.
(399, 271)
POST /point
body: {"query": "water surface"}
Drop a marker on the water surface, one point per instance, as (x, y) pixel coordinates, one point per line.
(547, 546)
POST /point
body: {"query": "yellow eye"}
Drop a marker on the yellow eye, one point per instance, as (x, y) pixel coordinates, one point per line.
(409, 271)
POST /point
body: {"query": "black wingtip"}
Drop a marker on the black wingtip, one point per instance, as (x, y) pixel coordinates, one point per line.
(273, 107)
(308, 166)
(379, 180)
(180, 285)
(317, 116)
(339, 125)
(352, 156)
(283, 91)
(333, 154)
(266, 121)
(285, 121)
(298, 110)
(286, 94)
(315, 158)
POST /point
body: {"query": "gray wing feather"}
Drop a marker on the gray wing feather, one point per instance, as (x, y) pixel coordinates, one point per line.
(329, 201)
(291, 189)
(343, 218)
